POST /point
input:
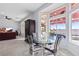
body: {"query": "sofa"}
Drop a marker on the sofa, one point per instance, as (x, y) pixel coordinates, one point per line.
(7, 35)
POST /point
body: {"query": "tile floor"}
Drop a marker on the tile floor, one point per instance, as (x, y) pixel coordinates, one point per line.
(14, 47)
(18, 47)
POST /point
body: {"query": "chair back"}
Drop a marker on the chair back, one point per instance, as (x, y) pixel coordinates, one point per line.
(59, 37)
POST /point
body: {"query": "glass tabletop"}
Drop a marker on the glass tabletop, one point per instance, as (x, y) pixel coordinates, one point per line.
(51, 39)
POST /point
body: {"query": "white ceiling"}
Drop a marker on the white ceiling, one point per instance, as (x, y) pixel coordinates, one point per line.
(17, 11)
(52, 7)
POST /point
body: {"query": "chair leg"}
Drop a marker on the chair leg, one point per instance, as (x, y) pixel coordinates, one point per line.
(53, 51)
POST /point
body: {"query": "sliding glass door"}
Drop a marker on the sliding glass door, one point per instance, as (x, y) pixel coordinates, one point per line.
(74, 23)
(75, 26)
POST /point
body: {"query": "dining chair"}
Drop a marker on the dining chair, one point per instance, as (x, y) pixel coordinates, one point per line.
(59, 37)
(35, 48)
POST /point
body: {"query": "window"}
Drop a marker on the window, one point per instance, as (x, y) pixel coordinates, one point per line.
(57, 20)
(75, 26)
(43, 26)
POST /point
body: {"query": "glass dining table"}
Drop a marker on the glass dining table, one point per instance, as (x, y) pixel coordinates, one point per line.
(49, 47)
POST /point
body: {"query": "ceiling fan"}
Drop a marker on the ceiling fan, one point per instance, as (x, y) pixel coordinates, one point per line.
(5, 17)
(8, 18)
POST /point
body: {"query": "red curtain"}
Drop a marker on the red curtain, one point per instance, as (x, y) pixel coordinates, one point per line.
(57, 12)
(58, 21)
